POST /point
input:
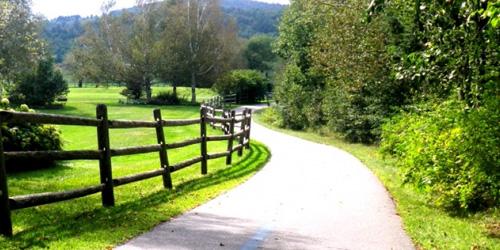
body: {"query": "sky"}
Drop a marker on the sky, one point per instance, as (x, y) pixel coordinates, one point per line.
(54, 8)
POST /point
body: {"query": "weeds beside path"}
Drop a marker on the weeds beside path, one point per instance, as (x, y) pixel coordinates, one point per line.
(428, 226)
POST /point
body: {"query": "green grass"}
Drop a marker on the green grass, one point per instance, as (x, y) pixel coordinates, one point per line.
(113, 92)
(428, 226)
(83, 223)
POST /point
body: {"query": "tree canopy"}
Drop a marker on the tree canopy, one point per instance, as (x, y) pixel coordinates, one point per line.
(20, 46)
(352, 66)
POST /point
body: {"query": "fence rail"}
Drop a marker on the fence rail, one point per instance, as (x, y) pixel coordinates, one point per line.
(227, 122)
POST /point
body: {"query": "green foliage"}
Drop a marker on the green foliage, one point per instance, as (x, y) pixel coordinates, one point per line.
(352, 55)
(61, 33)
(337, 73)
(20, 46)
(254, 17)
(29, 137)
(272, 117)
(449, 151)
(452, 47)
(201, 53)
(120, 49)
(40, 87)
(369, 63)
(166, 98)
(249, 85)
(428, 227)
(350, 65)
(493, 13)
(251, 17)
(296, 99)
(259, 53)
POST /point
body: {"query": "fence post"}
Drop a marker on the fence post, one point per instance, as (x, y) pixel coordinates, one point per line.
(225, 127)
(203, 135)
(249, 122)
(105, 169)
(5, 220)
(242, 136)
(229, 158)
(213, 114)
(160, 136)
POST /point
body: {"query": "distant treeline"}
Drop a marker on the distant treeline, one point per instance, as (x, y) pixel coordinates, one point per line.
(251, 17)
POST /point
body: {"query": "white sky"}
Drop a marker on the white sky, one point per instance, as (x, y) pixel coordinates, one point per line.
(54, 8)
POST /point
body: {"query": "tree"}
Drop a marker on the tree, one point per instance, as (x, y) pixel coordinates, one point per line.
(259, 53)
(248, 85)
(77, 64)
(40, 87)
(298, 81)
(199, 43)
(20, 46)
(121, 49)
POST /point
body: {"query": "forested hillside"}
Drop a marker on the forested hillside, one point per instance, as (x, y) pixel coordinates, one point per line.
(251, 17)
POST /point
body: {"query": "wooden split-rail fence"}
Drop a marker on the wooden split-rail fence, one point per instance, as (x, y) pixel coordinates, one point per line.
(228, 122)
(221, 102)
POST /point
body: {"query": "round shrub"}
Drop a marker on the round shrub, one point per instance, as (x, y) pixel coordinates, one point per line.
(249, 85)
(29, 137)
(166, 98)
(450, 152)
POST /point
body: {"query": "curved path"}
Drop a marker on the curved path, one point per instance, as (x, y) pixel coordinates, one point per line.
(309, 196)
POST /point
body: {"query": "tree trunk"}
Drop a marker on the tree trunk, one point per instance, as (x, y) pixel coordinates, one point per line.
(174, 89)
(80, 83)
(147, 85)
(193, 88)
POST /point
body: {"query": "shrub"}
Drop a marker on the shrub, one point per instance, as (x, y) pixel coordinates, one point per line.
(132, 93)
(29, 137)
(272, 116)
(40, 87)
(249, 85)
(450, 152)
(299, 97)
(166, 98)
(353, 115)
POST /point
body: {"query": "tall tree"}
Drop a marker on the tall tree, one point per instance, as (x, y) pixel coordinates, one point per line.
(20, 46)
(259, 53)
(199, 43)
(122, 48)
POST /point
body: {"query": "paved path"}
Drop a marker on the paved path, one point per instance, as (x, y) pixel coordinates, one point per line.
(309, 196)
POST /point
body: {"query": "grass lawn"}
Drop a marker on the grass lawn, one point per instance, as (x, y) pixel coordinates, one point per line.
(83, 223)
(428, 226)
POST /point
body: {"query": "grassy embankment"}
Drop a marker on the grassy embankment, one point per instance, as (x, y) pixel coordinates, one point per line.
(428, 226)
(84, 223)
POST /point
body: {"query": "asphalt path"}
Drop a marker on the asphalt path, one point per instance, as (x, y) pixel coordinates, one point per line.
(309, 196)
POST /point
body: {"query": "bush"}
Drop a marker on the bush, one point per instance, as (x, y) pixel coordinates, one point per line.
(132, 92)
(29, 137)
(353, 115)
(40, 87)
(299, 97)
(450, 152)
(166, 98)
(249, 85)
(272, 116)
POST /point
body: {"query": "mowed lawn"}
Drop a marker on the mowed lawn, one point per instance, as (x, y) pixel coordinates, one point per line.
(83, 223)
